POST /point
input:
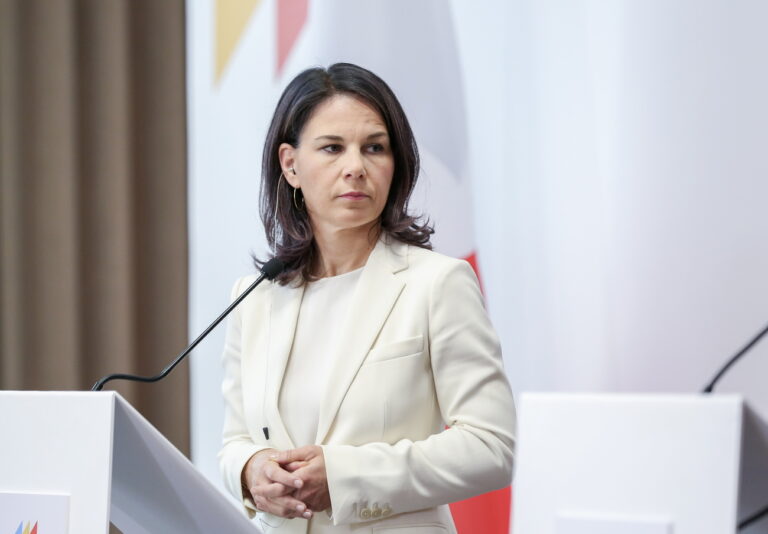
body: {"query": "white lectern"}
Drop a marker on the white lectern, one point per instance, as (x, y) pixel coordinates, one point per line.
(112, 464)
(638, 464)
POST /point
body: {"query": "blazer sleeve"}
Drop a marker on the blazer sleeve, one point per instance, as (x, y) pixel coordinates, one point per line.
(475, 454)
(238, 444)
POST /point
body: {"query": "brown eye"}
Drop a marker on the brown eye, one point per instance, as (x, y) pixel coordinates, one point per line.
(332, 149)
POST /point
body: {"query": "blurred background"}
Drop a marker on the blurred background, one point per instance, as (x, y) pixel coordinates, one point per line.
(602, 164)
(93, 198)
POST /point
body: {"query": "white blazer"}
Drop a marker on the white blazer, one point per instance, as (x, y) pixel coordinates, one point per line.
(418, 354)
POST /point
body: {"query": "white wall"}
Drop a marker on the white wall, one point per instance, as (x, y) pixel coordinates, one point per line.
(636, 194)
(224, 225)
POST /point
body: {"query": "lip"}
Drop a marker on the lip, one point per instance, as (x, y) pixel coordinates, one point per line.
(354, 195)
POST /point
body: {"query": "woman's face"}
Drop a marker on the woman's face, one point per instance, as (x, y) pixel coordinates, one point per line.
(343, 165)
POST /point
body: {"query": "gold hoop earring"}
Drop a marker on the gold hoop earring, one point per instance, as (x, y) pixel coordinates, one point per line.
(295, 203)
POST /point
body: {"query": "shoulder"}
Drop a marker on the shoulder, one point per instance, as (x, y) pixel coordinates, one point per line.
(430, 265)
(418, 256)
(241, 284)
(423, 258)
(258, 295)
(448, 287)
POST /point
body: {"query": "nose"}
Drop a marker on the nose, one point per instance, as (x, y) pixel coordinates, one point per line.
(354, 165)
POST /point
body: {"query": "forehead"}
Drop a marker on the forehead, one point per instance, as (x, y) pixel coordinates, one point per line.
(341, 113)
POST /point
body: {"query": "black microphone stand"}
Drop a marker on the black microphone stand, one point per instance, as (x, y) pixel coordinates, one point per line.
(270, 270)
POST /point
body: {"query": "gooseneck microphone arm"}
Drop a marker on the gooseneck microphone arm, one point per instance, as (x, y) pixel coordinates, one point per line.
(734, 359)
(270, 270)
(764, 511)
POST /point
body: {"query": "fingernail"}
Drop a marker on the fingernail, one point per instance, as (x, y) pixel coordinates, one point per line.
(307, 514)
(273, 456)
(300, 507)
(298, 483)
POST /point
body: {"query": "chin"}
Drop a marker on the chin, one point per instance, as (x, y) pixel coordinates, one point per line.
(356, 224)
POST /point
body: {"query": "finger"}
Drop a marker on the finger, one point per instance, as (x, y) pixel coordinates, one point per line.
(294, 455)
(285, 506)
(316, 499)
(293, 466)
(271, 491)
(266, 505)
(309, 473)
(274, 472)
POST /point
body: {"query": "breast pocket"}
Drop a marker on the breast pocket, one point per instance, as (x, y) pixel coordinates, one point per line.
(376, 401)
(398, 349)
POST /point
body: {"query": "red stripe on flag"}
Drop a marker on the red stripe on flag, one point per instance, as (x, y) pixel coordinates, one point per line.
(488, 513)
(291, 16)
(472, 259)
(485, 514)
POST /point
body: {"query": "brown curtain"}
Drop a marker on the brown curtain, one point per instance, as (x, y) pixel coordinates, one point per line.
(93, 274)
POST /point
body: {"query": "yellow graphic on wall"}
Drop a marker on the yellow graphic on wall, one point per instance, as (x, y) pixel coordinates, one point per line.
(232, 17)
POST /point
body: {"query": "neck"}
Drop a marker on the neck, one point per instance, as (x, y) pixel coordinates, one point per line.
(343, 251)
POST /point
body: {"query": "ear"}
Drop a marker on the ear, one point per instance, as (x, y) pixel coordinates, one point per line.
(287, 155)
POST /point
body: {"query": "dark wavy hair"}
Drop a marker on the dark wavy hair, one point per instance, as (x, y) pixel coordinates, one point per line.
(289, 232)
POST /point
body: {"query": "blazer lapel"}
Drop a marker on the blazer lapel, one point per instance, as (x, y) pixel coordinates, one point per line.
(373, 299)
(284, 315)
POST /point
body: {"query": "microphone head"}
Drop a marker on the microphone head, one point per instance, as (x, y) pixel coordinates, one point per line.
(272, 268)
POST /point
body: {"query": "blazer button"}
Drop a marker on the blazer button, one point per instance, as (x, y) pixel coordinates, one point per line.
(365, 513)
(386, 511)
(376, 512)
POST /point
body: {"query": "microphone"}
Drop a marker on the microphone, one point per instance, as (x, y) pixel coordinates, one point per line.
(269, 270)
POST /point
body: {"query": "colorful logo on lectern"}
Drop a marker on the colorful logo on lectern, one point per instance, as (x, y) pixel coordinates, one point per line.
(24, 529)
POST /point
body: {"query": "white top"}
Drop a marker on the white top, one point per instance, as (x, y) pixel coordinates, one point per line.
(323, 311)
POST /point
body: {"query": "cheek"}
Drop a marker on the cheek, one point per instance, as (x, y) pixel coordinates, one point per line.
(313, 198)
(385, 190)
(386, 172)
(313, 183)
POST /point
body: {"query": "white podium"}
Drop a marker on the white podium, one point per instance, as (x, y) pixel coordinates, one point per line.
(112, 464)
(638, 464)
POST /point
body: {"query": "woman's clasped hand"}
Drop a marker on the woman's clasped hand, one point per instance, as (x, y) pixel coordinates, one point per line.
(290, 483)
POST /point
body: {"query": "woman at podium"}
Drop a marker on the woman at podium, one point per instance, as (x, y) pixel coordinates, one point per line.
(364, 386)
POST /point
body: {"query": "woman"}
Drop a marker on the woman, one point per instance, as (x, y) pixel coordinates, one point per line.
(341, 377)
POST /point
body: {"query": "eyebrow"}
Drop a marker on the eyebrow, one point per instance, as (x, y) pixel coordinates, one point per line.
(375, 135)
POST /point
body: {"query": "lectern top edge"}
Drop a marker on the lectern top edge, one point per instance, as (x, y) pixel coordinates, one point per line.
(577, 397)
